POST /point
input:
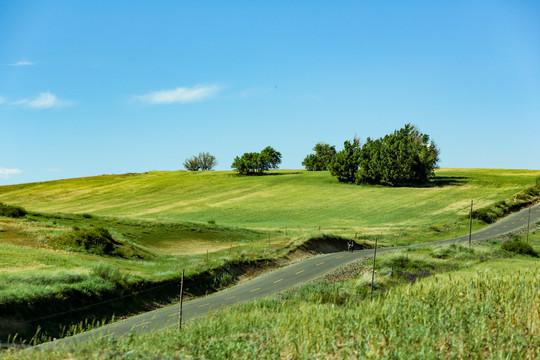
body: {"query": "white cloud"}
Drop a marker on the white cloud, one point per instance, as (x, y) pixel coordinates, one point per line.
(54, 170)
(6, 173)
(180, 95)
(22, 63)
(2, 100)
(43, 101)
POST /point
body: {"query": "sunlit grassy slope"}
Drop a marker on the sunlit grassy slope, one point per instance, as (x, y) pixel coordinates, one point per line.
(283, 199)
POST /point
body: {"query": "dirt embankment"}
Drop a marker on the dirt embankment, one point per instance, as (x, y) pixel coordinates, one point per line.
(328, 244)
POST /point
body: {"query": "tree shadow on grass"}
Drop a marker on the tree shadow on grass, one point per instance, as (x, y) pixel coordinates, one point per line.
(280, 173)
(268, 174)
(442, 181)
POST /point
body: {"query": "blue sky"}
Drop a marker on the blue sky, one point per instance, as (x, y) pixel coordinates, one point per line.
(101, 87)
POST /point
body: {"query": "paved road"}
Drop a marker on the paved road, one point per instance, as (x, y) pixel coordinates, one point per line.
(273, 282)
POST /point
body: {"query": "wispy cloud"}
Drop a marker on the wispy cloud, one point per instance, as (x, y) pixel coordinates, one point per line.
(54, 170)
(179, 95)
(2, 100)
(22, 63)
(44, 100)
(6, 173)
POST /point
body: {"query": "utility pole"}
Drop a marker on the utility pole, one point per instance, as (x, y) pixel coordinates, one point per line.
(470, 224)
(373, 272)
(181, 299)
(528, 224)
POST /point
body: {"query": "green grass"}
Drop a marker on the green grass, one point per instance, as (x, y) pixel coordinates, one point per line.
(292, 199)
(489, 308)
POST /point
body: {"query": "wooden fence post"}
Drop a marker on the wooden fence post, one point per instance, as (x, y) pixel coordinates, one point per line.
(373, 272)
(528, 224)
(181, 300)
(470, 224)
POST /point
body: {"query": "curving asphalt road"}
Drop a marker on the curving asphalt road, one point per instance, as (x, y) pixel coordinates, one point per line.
(273, 282)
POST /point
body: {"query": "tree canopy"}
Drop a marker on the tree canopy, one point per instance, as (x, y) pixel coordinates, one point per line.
(203, 161)
(406, 157)
(344, 164)
(257, 163)
(324, 153)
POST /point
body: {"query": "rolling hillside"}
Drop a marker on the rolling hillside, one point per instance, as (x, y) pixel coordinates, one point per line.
(293, 199)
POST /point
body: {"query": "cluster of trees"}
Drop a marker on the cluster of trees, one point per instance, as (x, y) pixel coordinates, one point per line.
(406, 157)
(254, 163)
(203, 161)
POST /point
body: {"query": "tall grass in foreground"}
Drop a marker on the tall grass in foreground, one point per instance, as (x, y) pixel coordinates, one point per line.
(480, 312)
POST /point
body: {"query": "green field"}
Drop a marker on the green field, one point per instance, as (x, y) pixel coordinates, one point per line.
(284, 199)
(166, 222)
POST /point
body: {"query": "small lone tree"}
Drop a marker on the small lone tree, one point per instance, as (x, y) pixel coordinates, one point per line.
(203, 161)
(207, 160)
(319, 161)
(257, 163)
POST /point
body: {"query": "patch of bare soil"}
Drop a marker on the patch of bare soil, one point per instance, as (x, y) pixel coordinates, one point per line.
(349, 271)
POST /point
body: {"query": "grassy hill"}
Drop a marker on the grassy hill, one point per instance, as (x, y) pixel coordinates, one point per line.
(284, 199)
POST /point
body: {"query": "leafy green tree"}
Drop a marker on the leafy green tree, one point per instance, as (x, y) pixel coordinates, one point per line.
(344, 165)
(270, 158)
(257, 163)
(406, 157)
(247, 164)
(208, 161)
(192, 164)
(319, 161)
(203, 161)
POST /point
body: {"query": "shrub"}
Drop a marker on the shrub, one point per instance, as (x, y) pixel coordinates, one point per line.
(519, 247)
(223, 280)
(457, 251)
(94, 240)
(403, 262)
(12, 211)
(110, 273)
